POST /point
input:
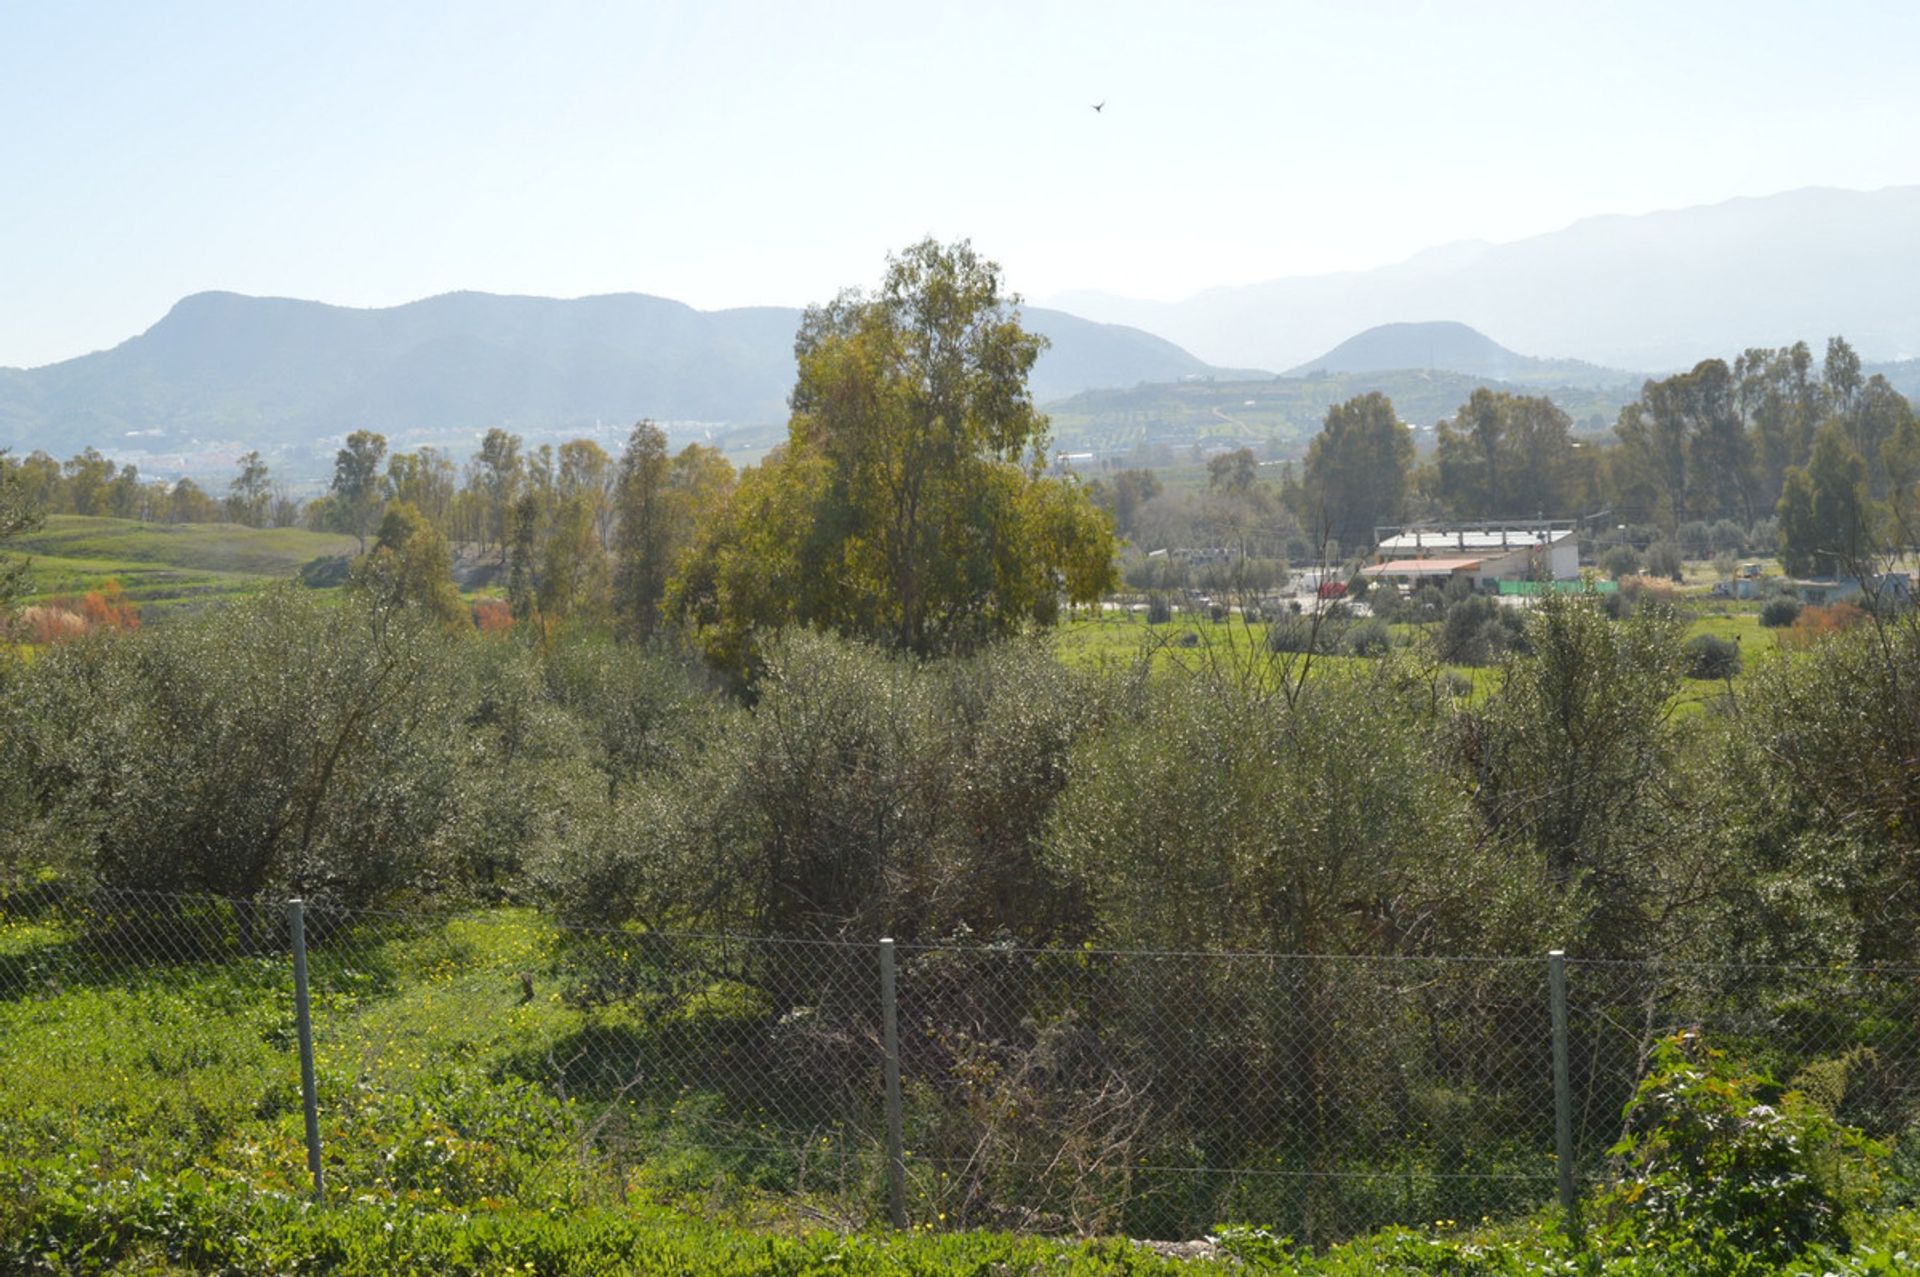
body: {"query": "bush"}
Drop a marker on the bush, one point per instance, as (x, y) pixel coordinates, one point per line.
(1295, 633)
(282, 739)
(1709, 656)
(1621, 560)
(1479, 631)
(1664, 559)
(1723, 1160)
(1779, 612)
(1728, 537)
(1369, 638)
(1815, 623)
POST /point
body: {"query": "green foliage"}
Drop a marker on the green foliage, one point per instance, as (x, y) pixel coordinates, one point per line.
(282, 741)
(1369, 638)
(1833, 734)
(1712, 657)
(908, 505)
(411, 566)
(1728, 1162)
(1621, 560)
(1827, 520)
(1357, 472)
(1778, 613)
(1478, 630)
(1569, 754)
(18, 514)
(1214, 816)
(1663, 558)
(1504, 452)
(357, 489)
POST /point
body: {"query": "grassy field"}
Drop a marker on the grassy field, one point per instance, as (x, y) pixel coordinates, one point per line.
(162, 567)
(1119, 640)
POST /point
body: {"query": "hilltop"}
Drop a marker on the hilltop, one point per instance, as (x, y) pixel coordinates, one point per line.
(1447, 346)
(278, 372)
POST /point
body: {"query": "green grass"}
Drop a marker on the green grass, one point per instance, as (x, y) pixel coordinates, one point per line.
(150, 1123)
(163, 567)
(1118, 641)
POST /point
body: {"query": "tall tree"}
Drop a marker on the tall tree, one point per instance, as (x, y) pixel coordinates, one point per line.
(411, 565)
(88, 476)
(587, 472)
(645, 544)
(425, 480)
(1505, 455)
(909, 503)
(1685, 451)
(357, 490)
(1827, 520)
(1357, 471)
(495, 476)
(250, 495)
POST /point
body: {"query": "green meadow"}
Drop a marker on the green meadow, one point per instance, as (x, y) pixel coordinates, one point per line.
(162, 567)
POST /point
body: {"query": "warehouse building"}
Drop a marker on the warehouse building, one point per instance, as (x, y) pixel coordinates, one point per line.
(1485, 553)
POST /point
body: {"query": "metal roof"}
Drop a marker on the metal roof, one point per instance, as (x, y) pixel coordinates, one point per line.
(1482, 539)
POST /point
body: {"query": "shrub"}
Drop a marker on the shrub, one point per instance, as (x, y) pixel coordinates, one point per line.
(1479, 631)
(1369, 638)
(1721, 1159)
(1779, 612)
(1728, 537)
(1621, 560)
(492, 616)
(1302, 632)
(1709, 656)
(1649, 589)
(1816, 623)
(1663, 559)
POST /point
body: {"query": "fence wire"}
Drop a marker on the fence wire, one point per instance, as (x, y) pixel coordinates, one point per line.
(494, 1056)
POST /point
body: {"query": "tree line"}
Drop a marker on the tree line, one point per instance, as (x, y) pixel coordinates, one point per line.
(1773, 453)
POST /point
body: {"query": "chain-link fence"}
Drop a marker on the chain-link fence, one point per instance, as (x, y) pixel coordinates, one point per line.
(494, 1055)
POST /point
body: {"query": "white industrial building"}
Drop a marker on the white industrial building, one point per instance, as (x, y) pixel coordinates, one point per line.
(1485, 553)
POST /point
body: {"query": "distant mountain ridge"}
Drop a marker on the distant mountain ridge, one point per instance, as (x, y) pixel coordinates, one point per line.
(1449, 346)
(277, 371)
(1659, 291)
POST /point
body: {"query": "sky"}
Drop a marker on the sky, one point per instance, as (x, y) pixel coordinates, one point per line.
(730, 154)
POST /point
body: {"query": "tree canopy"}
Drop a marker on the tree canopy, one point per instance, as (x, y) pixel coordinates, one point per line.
(910, 503)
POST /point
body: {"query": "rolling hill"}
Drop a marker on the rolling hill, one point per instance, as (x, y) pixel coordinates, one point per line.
(1445, 346)
(276, 372)
(1658, 291)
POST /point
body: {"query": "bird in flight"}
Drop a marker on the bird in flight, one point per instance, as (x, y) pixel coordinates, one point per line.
(1100, 105)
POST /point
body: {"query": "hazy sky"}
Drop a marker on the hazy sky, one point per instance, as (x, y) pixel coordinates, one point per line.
(729, 154)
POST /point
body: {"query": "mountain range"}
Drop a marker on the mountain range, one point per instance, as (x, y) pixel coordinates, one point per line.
(222, 372)
(1658, 291)
(271, 371)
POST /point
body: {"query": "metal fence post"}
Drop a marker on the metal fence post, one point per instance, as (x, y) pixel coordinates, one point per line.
(303, 1018)
(1562, 1088)
(890, 1036)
